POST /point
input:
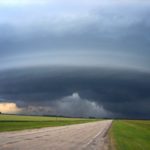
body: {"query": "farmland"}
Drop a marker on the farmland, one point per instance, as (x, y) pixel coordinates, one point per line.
(124, 134)
(130, 135)
(13, 122)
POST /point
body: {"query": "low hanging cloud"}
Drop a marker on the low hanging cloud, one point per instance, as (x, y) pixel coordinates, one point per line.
(99, 92)
(74, 105)
(71, 106)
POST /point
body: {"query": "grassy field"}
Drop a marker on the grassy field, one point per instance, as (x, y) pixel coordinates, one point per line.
(13, 122)
(130, 135)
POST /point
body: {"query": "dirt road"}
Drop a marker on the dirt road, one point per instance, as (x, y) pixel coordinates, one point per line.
(88, 136)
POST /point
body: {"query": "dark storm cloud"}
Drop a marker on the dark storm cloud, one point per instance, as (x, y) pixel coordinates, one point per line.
(91, 34)
(124, 93)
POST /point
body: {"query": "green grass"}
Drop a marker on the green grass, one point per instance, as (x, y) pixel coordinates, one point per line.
(13, 122)
(130, 135)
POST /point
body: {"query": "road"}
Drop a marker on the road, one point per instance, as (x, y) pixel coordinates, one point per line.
(88, 136)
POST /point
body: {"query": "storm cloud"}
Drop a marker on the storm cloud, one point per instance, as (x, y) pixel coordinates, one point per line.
(55, 55)
(121, 93)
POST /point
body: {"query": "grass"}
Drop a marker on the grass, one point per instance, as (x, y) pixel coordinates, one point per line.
(130, 135)
(13, 122)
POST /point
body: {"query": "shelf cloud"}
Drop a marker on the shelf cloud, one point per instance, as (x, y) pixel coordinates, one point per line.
(103, 92)
(92, 54)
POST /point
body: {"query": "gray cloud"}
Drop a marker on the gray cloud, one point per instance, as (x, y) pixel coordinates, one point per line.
(121, 92)
(72, 105)
(99, 49)
(102, 36)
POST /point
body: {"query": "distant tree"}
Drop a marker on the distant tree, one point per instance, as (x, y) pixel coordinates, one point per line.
(0, 112)
(91, 117)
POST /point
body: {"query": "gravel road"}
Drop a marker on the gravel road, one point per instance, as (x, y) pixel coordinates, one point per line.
(88, 136)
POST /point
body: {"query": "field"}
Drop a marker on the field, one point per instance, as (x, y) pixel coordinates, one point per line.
(124, 134)
(130, 135)
(12, 122)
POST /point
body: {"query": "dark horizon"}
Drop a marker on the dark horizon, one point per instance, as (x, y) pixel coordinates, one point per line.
(78, 91)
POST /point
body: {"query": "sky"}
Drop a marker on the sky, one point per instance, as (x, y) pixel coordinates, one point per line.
(77, 58)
